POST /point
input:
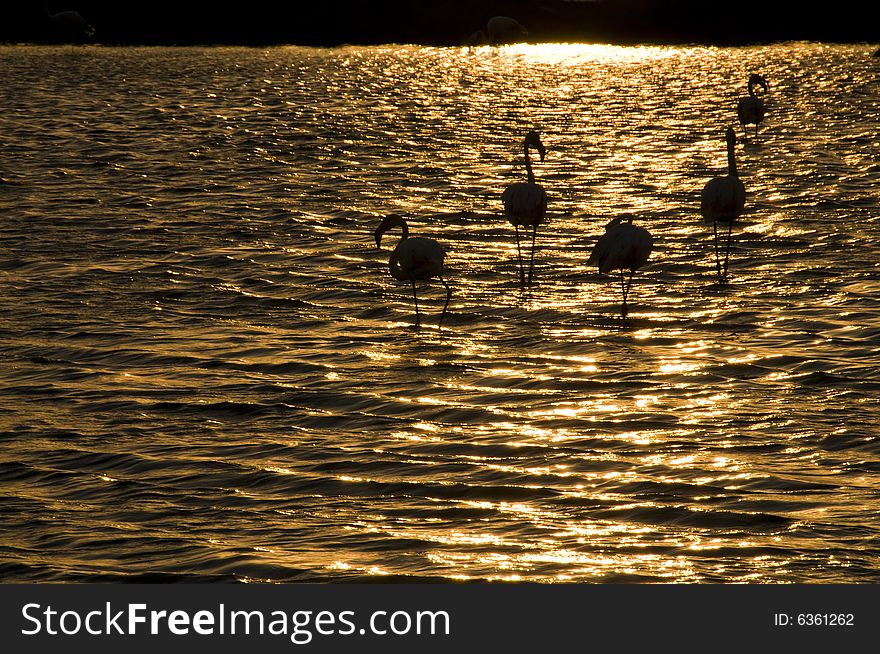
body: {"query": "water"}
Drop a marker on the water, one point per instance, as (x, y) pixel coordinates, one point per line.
(208, 373)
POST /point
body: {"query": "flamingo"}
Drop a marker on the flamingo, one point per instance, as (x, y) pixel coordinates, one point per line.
(525, 203)
(475, 39)
(723, 200)
(414, 259)
(750, 110)
(623, 246)
(503, 29)
(68, 23)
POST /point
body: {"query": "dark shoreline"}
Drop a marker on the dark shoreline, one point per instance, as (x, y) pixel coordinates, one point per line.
(326, 24)
(647, 44)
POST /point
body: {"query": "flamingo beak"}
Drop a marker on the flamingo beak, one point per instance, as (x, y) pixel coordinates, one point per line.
(381, 229)
(542, 151)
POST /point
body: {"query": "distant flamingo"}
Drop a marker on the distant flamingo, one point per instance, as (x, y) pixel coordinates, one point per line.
(503, 29)
(68, 24)
(751, 110)
(723, 200)
(623, 246)
(414, 259)
(475, 39)
(525, 203)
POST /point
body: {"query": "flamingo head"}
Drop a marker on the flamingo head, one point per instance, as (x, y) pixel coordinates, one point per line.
(619, 220)
(389, 221)
(758, 80)
(730, 137)
(533, 139)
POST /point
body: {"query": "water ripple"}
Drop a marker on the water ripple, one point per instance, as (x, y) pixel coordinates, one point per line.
(208, 374)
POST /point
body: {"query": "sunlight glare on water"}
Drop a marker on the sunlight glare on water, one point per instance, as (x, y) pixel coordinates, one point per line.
(209, 372)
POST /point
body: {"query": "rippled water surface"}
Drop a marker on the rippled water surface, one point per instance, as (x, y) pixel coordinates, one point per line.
(208, 373)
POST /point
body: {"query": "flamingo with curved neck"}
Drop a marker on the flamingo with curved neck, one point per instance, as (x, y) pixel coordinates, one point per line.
(414, 259)
(751, 110)
(525, 203)
(68, 23)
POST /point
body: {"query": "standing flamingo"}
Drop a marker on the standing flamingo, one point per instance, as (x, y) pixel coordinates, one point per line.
(504, 29)
(68, 24)
(525, 203)
(414, 259)
(476, 39)
(723, 200)
(623, 246)
(750, 110)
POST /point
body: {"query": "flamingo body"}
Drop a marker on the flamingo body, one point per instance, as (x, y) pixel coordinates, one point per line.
(477, 38)
(525, 204)
(68, 24)
(416, 259)
(503, 29)
(623, 246)
(750, 111)
(723, 199)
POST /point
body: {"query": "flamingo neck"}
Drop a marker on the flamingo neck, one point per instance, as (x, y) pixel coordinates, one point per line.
(731, 159)
(529, 173)
(752, 86)
(394, 265)
(387, 223)
(396, 221)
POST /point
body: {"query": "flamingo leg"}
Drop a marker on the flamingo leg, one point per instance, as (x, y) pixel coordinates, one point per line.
(727, 251)
(717, 255)
(416, 300)
(522, 272)
(448, 297)
(626, 288)
(623, 292)
(532, 260)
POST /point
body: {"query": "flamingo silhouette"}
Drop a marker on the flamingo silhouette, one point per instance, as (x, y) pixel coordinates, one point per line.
(475, 39)
(68, 24)
(623, 247)
(751, 110)
(525, 203)
(414, 259)
(504, 29)
(723, 200)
